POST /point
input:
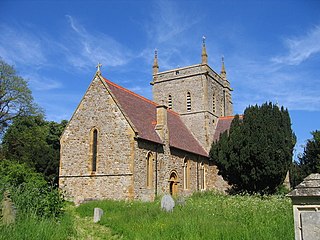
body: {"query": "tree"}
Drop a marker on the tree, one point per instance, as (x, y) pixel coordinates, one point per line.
(309, 161)
(15, 96)
(35, 142)
(257, 153)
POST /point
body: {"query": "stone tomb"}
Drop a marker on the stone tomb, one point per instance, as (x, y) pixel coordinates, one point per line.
(306, 208)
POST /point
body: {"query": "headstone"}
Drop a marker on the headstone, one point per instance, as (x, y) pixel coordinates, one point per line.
(98, 212)
(167, 203)
(8, 211)
(181, 201)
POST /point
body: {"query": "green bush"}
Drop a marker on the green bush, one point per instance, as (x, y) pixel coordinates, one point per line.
(29, 191)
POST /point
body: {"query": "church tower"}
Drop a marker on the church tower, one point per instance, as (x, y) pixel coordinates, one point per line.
(198, 93)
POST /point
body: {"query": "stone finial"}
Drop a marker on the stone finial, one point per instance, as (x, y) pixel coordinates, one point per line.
(98, 68)
(155, 66)
(204, 55)
(223, 72)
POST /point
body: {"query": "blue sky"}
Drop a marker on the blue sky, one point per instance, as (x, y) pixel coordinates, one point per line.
(271, 49)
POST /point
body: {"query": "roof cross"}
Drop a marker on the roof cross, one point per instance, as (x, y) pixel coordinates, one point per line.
(98, 67)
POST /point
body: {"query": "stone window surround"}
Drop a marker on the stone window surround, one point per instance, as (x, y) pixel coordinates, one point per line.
(93, 152)
(186, 173)
(149, 169)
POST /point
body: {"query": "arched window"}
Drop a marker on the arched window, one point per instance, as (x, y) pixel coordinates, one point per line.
(186, 174)
(149, 170)
(170, 102)
(202, 177)
(94, 150)
(188, 102)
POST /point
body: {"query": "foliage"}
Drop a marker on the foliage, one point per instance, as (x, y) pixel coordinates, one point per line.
(310, 159)
(308, 162)
(15, 96)
(204, 216)
(34, 141)
(29, 191)
(32, 227)
(256, 154)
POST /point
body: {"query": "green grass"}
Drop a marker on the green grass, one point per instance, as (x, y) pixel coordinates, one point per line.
(32, 227)
(204, 216)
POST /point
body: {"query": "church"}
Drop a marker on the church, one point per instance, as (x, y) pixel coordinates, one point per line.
(120, 145)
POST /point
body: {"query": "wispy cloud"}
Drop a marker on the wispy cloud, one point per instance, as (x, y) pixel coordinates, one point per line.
(42, 83)
(84, 49)
(168, 30)
(301, 48)
(18, 45)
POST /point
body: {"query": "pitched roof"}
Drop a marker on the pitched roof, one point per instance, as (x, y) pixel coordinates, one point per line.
(223, 125)
(141, 112)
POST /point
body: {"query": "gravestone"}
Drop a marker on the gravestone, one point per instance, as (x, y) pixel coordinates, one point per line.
(167, 203)
(8, 210)
(98, 212)
(306, 208)
(181, 201)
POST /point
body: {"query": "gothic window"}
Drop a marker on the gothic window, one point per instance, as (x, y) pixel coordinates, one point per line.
(94, 150)
(186, 174)
(149, 170)
(188, 102)
(202, 176)
(170, 102)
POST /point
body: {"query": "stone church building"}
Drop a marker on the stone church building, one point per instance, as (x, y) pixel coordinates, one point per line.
(120, 145)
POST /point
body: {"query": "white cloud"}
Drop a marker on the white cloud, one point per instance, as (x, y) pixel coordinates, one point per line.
(301, 48)
(41, 83)
(84, 49)
(18, 45)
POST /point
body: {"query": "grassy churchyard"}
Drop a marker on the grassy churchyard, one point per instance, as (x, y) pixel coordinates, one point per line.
(203, 216)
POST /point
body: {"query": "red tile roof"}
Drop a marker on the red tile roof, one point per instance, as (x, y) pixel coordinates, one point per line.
(141, 112)
(223, 125)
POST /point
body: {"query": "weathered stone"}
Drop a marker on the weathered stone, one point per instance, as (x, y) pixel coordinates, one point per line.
(98, 212)
(181, 201)
(310, 222)
(8, 210)
(167, 203)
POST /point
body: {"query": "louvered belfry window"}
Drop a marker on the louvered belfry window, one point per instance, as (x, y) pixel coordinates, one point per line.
(170, 102)
(188, 102)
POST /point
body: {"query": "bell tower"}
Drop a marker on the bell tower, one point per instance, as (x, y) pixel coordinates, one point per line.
(198, 93)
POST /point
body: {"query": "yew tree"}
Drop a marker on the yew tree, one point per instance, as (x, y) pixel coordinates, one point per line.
(256, 154)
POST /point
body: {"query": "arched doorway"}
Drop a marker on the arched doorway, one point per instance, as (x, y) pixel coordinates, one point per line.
(173, 183)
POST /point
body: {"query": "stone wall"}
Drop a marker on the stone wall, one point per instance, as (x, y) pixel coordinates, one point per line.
(113, 177)
(210, 98)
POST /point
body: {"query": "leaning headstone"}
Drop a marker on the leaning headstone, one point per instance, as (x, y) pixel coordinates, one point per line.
(181, 201)
(98, 212)
(167, 203)
(8, 211)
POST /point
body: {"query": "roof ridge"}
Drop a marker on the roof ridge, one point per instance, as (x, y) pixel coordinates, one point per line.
(130, 92)
(136, 95)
